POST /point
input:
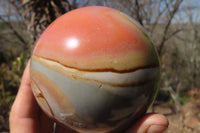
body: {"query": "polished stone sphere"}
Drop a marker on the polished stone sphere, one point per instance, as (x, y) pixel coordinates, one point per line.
(94, 69)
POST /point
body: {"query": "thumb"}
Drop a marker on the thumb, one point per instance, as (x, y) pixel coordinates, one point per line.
(150, 123)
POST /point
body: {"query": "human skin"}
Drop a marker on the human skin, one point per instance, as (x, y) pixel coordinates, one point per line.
(27, 117)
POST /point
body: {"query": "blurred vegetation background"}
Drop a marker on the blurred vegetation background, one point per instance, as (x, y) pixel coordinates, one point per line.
(174, 26)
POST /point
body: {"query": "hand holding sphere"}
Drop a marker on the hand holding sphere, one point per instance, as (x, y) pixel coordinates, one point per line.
(94, 70)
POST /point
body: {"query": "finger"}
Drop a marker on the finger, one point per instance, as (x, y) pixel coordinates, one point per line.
(25, 98)
(24, 112)
(150, 123)
(22, 109)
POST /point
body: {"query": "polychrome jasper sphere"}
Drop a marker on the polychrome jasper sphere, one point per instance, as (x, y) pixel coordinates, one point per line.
(95, 70)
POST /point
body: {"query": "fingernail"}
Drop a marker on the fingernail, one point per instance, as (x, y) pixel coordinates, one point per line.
(156, 129)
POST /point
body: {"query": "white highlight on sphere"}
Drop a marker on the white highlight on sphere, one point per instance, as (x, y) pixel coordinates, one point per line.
(72, 43)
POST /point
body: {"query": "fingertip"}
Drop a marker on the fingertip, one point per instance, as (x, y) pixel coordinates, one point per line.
(150, 123)
(26, 75)
(157, 119)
